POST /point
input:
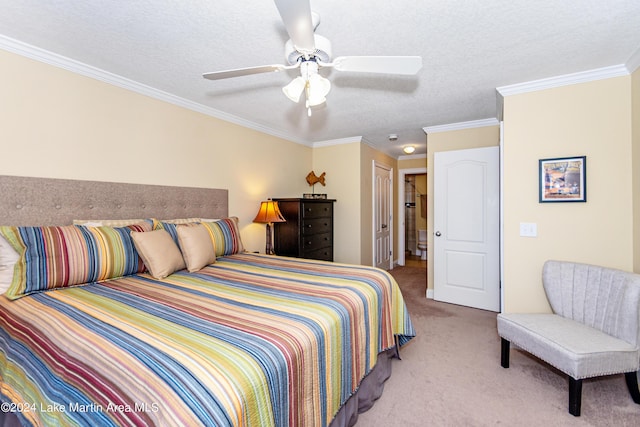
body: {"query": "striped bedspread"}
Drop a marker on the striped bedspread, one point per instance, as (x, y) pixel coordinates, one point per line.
(251, 340)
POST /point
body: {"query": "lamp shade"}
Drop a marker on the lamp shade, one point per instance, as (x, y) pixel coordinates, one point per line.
(294, 89)
(318, 89)
(268, 213)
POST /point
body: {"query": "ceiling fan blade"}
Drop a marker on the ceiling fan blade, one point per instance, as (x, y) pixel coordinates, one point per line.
(296, 16)
(406, 65)
(218, 75)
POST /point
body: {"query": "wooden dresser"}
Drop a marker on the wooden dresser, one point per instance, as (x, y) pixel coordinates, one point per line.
(308, 232)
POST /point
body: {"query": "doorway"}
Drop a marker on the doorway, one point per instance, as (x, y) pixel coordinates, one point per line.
(409, 212)
(415, 215)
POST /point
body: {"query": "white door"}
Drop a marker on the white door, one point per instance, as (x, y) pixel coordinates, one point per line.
(467, 228)
(382, 219)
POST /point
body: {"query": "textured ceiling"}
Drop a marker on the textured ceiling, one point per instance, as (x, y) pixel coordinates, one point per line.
(469, 48)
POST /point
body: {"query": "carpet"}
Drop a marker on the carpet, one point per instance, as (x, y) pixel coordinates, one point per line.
(450, 375)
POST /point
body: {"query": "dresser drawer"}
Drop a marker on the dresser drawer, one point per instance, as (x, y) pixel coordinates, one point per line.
(324, 254)
(317, 225)
(317, 209)
(317, 241)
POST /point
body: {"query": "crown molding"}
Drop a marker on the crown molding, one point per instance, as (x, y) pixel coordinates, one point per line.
(461, 125)
(338, 141)
(41, 55)
(388, 151)
(564, 80)
(412, 156)
(633, 63)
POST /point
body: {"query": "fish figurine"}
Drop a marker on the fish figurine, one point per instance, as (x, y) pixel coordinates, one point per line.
(312, 179)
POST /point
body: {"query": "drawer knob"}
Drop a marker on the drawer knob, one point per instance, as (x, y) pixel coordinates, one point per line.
(309, 226)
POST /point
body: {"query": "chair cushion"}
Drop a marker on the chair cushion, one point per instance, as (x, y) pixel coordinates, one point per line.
(574, 348)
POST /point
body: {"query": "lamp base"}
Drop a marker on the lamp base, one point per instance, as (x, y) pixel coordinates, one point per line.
(269, 248)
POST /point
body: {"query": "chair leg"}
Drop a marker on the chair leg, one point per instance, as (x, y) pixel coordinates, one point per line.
(632, 385)
(575, 396)
(504, 353)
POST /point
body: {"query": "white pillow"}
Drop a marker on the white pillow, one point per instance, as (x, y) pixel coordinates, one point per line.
(8, 259)
(106, 222)
(180, 220)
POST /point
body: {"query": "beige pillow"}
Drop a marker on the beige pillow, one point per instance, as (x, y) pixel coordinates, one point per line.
(8, 259)
(196, 246)
(159, 252)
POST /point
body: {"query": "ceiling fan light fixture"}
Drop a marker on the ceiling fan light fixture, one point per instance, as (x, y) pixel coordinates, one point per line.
(313, 84)
(317, 90)
(409, 149)
(294, 90)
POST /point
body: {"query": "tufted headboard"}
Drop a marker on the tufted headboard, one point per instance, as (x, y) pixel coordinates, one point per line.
(29, 201)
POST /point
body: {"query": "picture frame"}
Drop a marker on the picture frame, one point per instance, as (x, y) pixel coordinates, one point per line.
(314, 196)
(563, 179)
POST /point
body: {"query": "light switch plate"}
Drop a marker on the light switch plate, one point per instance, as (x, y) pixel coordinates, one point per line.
(528, 229)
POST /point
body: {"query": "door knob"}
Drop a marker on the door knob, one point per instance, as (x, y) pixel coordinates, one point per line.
(384, 225)
(438, 234)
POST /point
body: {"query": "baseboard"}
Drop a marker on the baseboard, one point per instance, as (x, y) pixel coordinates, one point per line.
(429, 293)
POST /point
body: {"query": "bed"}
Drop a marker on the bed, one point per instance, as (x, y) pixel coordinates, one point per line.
(246, 340)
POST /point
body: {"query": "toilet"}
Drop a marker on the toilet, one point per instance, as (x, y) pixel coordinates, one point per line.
(422, 244)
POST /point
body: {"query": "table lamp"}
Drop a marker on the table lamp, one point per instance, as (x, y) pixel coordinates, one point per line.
(268, 214)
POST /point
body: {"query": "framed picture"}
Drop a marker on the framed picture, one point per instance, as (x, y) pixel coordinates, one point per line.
(563, 179)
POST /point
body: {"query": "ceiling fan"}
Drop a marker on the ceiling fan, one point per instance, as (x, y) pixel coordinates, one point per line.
(310, 52)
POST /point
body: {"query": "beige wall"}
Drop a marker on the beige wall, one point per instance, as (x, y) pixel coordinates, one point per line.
(55, 123)
(588, 119)
(349, 180)
(412, 162)
(59, 124)
(486, 136)
(635, 99)
(341, 164)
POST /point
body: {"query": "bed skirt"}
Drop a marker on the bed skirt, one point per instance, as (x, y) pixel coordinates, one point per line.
(362, 400)
(369, 391)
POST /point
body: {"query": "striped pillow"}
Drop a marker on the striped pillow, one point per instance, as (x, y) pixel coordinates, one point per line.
(169, 227)
(58, 257)
(225, 234)
(114, 249)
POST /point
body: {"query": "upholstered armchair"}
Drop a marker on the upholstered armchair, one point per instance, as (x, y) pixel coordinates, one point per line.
(594, 329)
